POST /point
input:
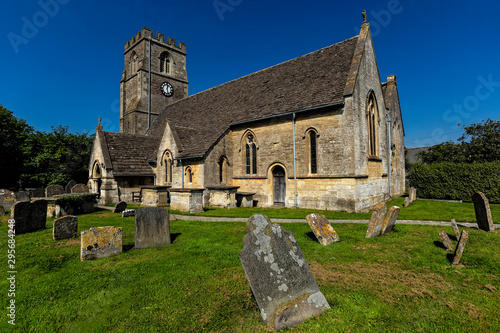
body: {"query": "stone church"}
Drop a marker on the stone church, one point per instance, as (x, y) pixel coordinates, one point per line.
(319, 131)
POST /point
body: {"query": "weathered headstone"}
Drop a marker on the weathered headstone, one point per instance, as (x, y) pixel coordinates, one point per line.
(483, 213)
(407, 202)
(128, 213)
(80, 188)
(2, 211)
(65, 227)
(446, 240)
(455, 228)
(100, 242)
(29, 216)
(152, 227)
(412, 193)
(52, 190)
(37, 192)
(22, 196)
(322, 229)
(376, 220)
(284, 288)
(460, 247)
(69, 186)
(7, 198)
(120, 207)
(390, 220)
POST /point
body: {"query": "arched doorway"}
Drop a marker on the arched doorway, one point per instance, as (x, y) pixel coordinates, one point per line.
(279, 185)
(96, 174)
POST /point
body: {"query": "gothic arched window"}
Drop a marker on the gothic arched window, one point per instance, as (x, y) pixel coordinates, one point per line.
(165, 63)
(372, 115)
(250, 154)
(167, 162)
(133, 62)
(313, 151)
(189, 175)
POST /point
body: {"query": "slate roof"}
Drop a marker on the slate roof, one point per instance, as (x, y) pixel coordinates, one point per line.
(129, 153)
(313, 80)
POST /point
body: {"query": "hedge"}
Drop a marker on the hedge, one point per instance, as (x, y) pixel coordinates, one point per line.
(456, 181)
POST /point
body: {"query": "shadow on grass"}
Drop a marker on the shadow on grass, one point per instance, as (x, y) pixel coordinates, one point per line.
(312, 236)
(440, 244)
(450, 257)
(128, 247)
(174, 236)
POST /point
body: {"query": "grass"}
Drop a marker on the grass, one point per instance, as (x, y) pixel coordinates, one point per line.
(400, 282)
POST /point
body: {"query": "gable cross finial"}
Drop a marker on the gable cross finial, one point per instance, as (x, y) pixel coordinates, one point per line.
(99, 120)
(364, 16)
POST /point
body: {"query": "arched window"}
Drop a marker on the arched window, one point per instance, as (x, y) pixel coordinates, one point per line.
(372, 115)
(223, 164)
(250, 154)
(313, 151)
(189, 175)
(167, 162)
(165, 63)
(133, 62)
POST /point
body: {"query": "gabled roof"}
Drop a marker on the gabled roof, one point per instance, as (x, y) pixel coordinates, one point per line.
(129, 154)
(313, 80)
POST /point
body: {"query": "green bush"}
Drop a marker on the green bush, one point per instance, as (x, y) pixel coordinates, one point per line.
(456, 181)
(78, 204)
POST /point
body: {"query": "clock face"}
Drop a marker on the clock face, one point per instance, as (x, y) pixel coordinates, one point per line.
(167, 89)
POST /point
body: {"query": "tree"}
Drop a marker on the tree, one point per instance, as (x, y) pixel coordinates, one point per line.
(14, 133)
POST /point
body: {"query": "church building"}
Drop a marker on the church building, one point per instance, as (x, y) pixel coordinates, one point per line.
(318, 131)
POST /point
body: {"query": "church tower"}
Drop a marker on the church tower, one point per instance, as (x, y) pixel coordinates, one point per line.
(154, 76)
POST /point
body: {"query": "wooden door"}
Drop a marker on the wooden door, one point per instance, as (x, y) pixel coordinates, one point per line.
(279, 185)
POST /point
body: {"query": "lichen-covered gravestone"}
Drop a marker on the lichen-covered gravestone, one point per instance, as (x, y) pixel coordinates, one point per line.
(65, 227)
(80, 188)
(152, 227)
(120, 207)
(483, 213)
(455, 228)
(100, 243)
(22, 196)
(446, 240)
(322, 229)
(284, 288)
(407, 202)
(69, 186)
(52, 190)
(29, 216)
(376, 220)
(460, 247)
(390, 220)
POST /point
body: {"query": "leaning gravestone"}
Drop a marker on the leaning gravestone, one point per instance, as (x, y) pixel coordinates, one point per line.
(80, 188)
(100, 242)
(128, 212)
(69, 186)
(375, 225)
(322, 229)
(120, 207)
(407, 202)
(152, 227)
(460, 247)
(455, 228)
(483, 213)
(390, 220)
(29, 216)
(446, 240)
(52, 190)
(282, 283)
(65, 227)
(412, 193)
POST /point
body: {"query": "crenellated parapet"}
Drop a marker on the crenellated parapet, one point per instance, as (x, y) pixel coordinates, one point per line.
(159, 38)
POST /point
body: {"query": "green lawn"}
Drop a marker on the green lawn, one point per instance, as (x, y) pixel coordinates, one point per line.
(400, 282)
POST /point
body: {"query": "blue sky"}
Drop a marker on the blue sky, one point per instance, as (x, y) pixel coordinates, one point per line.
(63, 59)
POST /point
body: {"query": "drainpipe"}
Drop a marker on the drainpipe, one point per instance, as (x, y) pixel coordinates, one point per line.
(149, 87)
(389, 154)
(182, 175)
(294, 162)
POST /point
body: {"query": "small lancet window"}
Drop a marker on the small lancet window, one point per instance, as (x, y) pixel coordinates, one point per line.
(189, 175)
(313, 152)
(372, 126)
(165, 63)
(251, 155)
(167, 162)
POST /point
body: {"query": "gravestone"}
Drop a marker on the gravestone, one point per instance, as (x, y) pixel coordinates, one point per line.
(412, 193)
(80, 188)
(65, 227)
(22, 196)
(37, 192)
(52, 190)
(455, 228)
(483, 213)
(128, 213)
(460, 247)
(100, 242)
(407, 202)
(282, 283)
(2, 211)
(69, 186)
(446, 240)
(376, 220)
(322, 229)
(152, 227)
(120, 207)
(390, 220)
(7, 198)
(29, 216)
